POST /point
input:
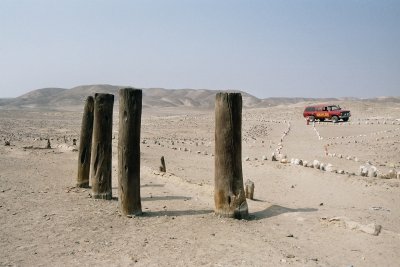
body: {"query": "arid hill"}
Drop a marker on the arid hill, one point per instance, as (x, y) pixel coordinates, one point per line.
(156, 97)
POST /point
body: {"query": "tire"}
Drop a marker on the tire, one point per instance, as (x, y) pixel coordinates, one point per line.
(311, 118)
(322, 119)
(345, 119)
(335, 119)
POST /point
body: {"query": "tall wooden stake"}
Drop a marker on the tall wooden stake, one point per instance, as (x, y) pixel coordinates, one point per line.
(162, 166)
(130, 113)
(229, 195)
(100, 163)
(85, 144)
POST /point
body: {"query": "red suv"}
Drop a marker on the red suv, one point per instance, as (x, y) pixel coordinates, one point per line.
(322, 112)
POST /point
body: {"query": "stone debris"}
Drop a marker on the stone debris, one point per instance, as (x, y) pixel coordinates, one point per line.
(316, 164)
(284, 161)
(368, 170)
(372, 228)
(298, 162)
(392, 174)
(322, 166)
(330, 168)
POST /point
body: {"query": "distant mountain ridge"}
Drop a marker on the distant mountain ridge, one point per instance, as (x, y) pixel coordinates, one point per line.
(156, 97)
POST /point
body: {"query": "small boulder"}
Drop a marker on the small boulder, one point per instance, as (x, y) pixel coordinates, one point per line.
(316, 164)
(322, 166)
(330, 168)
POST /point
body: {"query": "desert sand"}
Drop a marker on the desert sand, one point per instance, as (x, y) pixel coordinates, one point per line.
(301, 216)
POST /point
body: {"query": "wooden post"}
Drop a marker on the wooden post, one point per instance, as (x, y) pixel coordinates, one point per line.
(85, 144)
(48, 145)
(229, 195)
(162, 167)
(130, 113)
(249, 189)
(100, 162)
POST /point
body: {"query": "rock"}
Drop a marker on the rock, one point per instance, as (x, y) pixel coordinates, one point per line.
(372, 171)
(316, 164)
(340, 171)
(398, 175)
(372, 229)
(322, 166)
(390, 175)
(305, 163)
(247, 158)
(368, 170)
(330, 168)
(298, 162)
(7, 143)
(284, 161)
(264, 157)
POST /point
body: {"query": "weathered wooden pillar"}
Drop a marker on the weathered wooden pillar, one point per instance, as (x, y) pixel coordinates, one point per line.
(229, 195)
(85, 144)
(130, 113)
(163, 168)
(100, 163)
(249, 189)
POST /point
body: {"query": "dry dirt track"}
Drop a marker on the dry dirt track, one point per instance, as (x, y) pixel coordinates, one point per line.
(46, 222)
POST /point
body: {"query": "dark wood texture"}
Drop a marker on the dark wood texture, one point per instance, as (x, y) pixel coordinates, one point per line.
(85, 144)
(101, 158)
(130, 113)
(229, 195)
(163, 168)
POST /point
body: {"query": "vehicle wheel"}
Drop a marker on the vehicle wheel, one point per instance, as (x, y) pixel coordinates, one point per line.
(335, 119)
(345, 119)
(322, 119)
(311, 118)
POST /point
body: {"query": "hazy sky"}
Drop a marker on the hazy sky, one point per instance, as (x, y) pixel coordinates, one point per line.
(310, 48)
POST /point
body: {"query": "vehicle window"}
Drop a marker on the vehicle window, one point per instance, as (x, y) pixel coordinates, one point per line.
(310, 109)
(335, 108)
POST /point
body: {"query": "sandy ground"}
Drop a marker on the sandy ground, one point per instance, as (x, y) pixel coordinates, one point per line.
(300, 216)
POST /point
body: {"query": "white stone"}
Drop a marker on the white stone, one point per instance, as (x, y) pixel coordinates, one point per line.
(322, 166)
(316, 164)
(330, 168)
